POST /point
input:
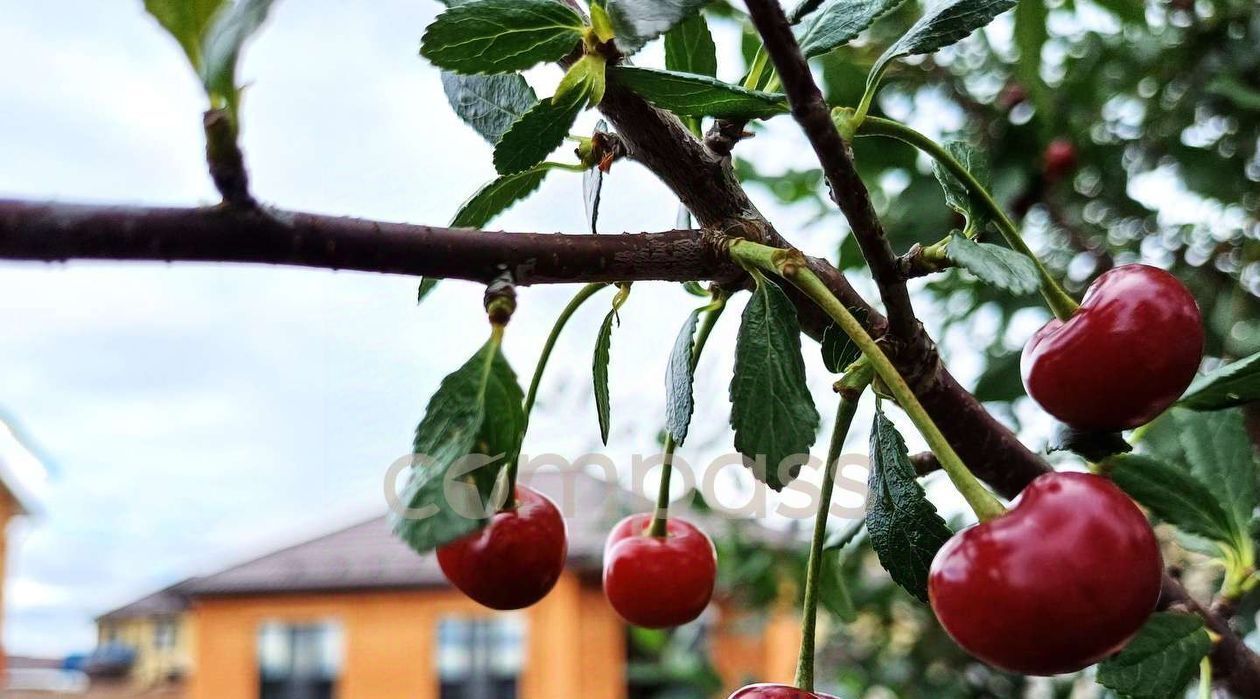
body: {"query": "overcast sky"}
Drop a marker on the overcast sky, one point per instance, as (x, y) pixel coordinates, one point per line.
(197, 415)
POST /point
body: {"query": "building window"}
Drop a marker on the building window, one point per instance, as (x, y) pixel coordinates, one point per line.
(299, 661)
(480, 657)
(164, 633)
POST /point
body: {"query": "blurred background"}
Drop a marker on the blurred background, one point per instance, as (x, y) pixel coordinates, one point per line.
(193, 457)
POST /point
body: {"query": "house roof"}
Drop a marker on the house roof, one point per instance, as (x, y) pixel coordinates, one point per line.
(368, 556)
(22, 474)
(167, 601)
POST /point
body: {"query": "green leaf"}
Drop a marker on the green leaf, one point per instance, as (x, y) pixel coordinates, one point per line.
(1225, 387)
(535, 135)
(186, 20)
(583, 82)
(906, 531)
(837, 22)
(945, 22)
(833, 590)
(224, 40)
(488, 103)
(772, 410)
(689, 47)
(691, 95)
(679, 401)
(994, 264)
(957, 197)
(1219, 454)
(496, 197)
(427, 285)
(501, 36)
(603, 343)
(838, 349)
(1159, 662)
(637, 22)
(1173, 496)
(476, 410)
(1030, 36)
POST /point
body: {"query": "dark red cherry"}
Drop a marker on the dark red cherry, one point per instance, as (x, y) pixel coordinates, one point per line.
(1060, 582)
(776, 691)
(1127, 353)
(515, 560)
(1059, 160)
(658, 582)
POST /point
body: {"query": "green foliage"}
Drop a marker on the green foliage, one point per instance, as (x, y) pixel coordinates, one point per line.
(501, 36)
(838, 349)
(942, 24)
(772, 410)
(837, 22)
(637, 22)
(1228, 386)
(427, 285)
(535, 135)
(599, 373)
(1160, 661)
(686, 94)
(957, 197)
(679, 377)
(1174, 496)
(488, 103)
(689, 47)
(222, 46)
(212, 34)
(593, 186)
(186, 20)
(476, 411)
(906, 531)
(994, 264)
(1216, 451)
(496, 197)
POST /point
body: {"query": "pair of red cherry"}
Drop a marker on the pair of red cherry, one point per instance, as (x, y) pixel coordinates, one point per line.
(654, 582)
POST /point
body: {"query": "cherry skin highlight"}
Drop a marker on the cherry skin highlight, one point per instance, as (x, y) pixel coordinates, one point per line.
(1124, 356)
(515, 560)
(1060, 582)
(658, 582)
(776, 691)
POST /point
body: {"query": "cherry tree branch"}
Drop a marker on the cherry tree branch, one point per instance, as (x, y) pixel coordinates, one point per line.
(847, 189)
(55, 232)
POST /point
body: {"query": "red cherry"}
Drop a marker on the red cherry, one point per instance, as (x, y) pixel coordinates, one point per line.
(658, 582)
(515, 560)
(1127, 353)
(776, 691)
(1061, 581)
(1060, 159)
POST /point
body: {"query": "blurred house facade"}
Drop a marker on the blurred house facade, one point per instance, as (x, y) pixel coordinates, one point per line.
(22, 478)
(356, 614)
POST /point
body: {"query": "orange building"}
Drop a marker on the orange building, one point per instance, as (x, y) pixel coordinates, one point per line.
(357, 615)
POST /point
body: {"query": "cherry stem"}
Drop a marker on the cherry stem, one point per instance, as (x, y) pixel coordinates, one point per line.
(660, 518)
(791, 265)
(578, 299)
(813, 572)
(1060, 303)
(1205, 678)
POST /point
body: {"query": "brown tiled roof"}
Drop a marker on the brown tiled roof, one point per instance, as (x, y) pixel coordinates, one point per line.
(368, 556)
(171, 600)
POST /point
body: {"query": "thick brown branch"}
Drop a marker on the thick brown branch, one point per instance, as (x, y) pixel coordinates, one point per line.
(848, 190)
(54, 232)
